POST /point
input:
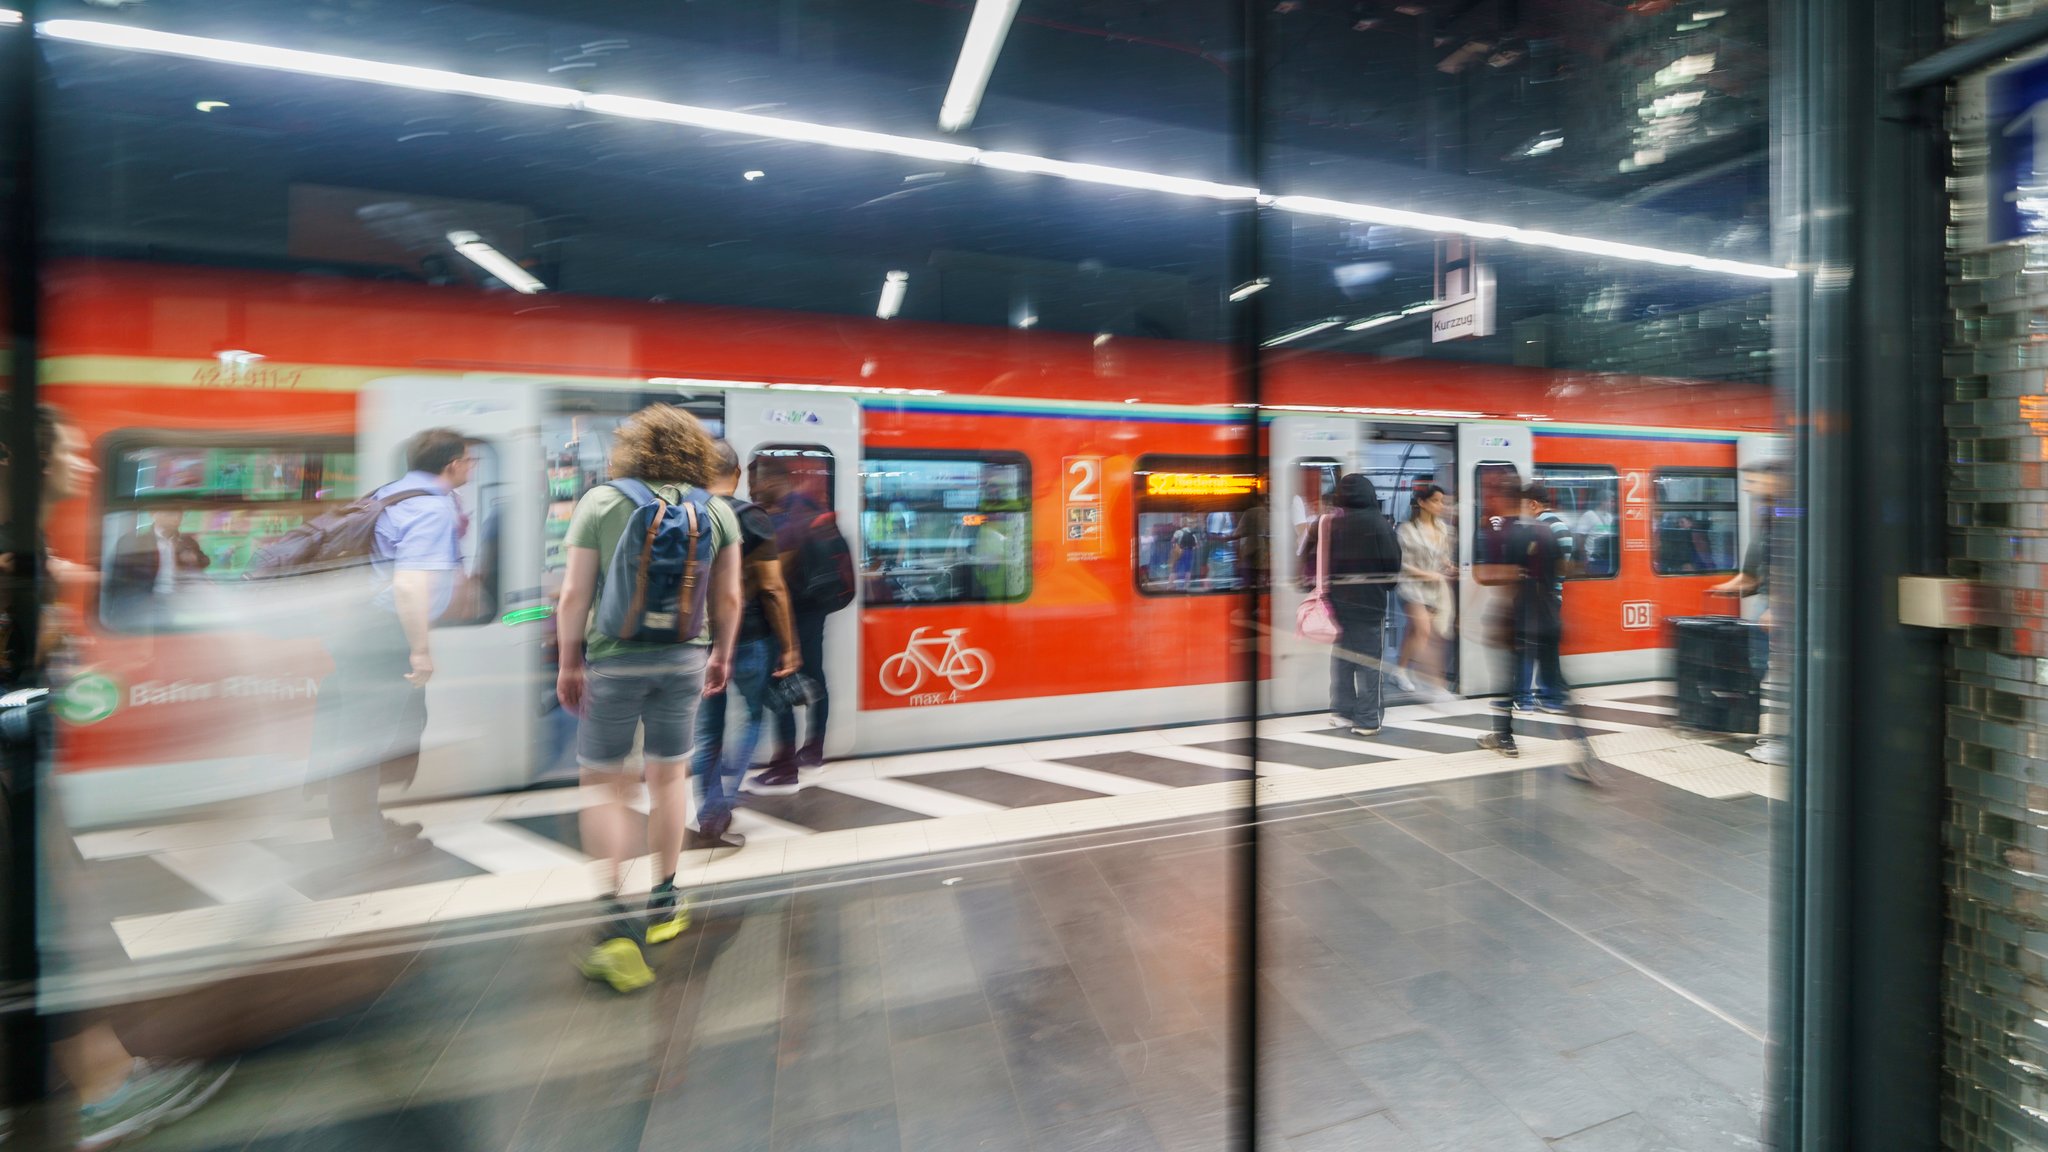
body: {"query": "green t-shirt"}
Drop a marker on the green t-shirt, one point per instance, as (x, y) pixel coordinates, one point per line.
(598, 522)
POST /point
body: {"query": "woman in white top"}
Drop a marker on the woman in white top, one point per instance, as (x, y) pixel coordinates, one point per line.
(1428, 565)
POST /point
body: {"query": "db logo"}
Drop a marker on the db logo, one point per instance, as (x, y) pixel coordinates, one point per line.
(1639, 614)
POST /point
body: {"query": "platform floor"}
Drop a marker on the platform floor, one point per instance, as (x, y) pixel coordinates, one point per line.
(1488, 960)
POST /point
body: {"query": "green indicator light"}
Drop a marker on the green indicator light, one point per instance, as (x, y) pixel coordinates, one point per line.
(529, 615)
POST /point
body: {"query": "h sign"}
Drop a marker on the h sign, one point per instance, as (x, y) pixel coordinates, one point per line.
(1639, 614)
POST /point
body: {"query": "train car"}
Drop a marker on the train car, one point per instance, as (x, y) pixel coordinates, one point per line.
(1013, 499)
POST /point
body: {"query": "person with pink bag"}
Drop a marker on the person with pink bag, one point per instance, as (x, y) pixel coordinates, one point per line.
(1358, 559)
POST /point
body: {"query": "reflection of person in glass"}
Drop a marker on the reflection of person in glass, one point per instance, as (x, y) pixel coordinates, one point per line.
(149, 566)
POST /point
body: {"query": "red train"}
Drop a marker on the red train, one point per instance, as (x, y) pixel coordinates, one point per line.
(1006, 492)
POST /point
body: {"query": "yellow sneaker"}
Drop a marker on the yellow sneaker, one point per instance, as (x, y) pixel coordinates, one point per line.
(665, 924)
(618, 962)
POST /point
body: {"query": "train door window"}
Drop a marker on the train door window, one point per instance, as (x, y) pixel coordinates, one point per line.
(1497, 487)
(1315, 492)
(945, 527)
(1586, 497)
(205, 504)
(1697, 520)
(577, 432)
(1201, 523)
(811, 469)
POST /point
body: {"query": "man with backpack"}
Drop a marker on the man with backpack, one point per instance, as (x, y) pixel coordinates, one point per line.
(372, 708)
(1535, 687)
(765, 652)
(650, 606)
(818, 568)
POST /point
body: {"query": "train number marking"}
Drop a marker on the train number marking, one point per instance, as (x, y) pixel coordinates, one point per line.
(1084, 507)
(944, 657)
(1633, 481)
(1637, 614)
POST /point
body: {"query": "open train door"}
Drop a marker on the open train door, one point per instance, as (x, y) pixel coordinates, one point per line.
(486, 668)
(818, 435)
(1490, 456)
(1308, 453)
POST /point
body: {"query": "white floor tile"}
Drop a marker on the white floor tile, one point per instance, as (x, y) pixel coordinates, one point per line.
(911, 797)
(1075, 776)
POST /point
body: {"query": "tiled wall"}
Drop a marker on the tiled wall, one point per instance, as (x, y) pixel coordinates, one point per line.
(1995, 1007)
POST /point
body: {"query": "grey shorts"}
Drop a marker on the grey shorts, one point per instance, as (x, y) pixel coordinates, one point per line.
(619, 696)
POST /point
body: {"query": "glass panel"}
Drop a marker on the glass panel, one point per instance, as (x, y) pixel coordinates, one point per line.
(946, 529)
(811, 469)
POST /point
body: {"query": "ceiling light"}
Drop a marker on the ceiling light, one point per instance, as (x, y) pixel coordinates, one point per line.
(1101, 339)
(9, 16)
(1249, 289)
(984, 41)
(894, 285)
(510, 274)
(1375, 322)
(1121, 177)
(1306, 330)
(769, 127)
(752, 174)
(210, 105)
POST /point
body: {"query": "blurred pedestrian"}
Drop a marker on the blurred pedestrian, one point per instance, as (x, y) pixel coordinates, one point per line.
(1524, 557)
(1364, 562)
(650, 608)
(1764, 482)
(765, 652)
(1429, 568)
(1537, 687)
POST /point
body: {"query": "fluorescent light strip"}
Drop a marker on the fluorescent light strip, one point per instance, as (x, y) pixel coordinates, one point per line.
(495, 262)
(1305, 330)
(986, 31)
(713, 119)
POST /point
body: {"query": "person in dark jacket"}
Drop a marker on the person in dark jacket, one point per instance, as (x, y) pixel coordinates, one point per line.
(1365, 560)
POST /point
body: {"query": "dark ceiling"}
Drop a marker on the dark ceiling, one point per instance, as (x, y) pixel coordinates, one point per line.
(1441, 105)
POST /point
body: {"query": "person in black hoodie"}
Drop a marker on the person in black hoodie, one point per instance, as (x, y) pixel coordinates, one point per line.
(1365, 559)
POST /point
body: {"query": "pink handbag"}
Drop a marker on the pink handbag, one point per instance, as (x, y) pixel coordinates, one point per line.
(1316, 621)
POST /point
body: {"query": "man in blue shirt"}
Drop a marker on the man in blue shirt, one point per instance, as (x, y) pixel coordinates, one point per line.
(373, 707)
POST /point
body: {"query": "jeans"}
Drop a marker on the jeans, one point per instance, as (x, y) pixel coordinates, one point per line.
(1539, 651)
(810, 643)
(1548, 687)
(717, 773)
(1355, 668)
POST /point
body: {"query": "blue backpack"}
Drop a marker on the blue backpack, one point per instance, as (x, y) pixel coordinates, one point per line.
(655, 583)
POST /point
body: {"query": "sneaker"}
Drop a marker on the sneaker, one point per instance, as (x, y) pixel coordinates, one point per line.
(1554, 709)
(668, 914)
(773, 784)
(152, 1096)
(1492, 742)
(718, 830)
(618, 962)
(1526, 707)
(1372, 731)
(1582, 770)
(1771, 752)
(1403, 680)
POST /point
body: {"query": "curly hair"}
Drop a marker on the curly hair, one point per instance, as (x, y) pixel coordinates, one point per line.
(663, 444)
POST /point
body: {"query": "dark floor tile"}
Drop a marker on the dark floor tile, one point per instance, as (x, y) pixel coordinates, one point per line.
(834, 1023)
(1710, 1045)
(823, 810)
(1575, 905)
(957, 1094)
(1429, 1092)
(1663, 1090)
(1004, 788)
(1157, 769)
(1424, 866)
(1432, 827)
(1125, 1130)
(722, 1097)
(426, 865)
(1006, 932)
(1395, 736)
(928, 973)
(1363, 940)
(1374, 1133)
(1304, 1086)
(866, 1130)
(1135, 992)
(1661, 700)
(1630, 1133)
(1063, 1072)
(1069, 888)
(833, 929)
(619, 1128)
(135, 886)
(1300, 755)
(563, 828)
(1334, 999)
(1390, 894)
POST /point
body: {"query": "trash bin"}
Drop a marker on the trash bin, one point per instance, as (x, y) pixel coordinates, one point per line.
(1719, 685)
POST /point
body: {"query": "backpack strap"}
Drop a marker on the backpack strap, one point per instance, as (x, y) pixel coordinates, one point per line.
(639, 602)
(689, 572)
(640, 494)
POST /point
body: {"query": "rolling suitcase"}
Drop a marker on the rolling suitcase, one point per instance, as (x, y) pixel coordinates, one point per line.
(1718, 682)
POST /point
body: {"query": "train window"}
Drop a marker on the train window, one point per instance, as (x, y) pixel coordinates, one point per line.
(206, 507)
(576, 445)
(810, 467)
(1586, 498)
(1697, 520)
(1202, 524)
(945, 527)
